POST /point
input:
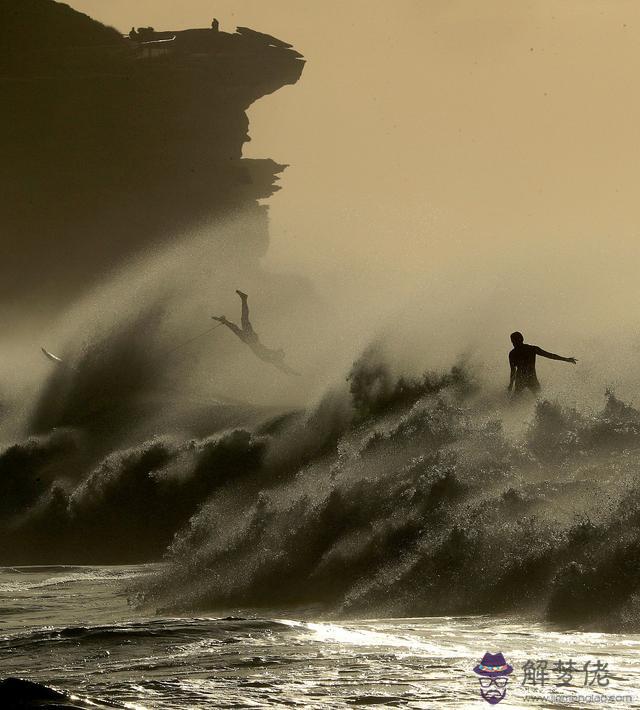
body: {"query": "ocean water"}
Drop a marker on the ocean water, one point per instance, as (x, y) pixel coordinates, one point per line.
(78, 630)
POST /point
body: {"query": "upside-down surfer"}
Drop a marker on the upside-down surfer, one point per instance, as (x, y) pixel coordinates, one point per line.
(522, 360)
(249, 337)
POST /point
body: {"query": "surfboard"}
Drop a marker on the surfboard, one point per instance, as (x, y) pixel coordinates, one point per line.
(51, 356)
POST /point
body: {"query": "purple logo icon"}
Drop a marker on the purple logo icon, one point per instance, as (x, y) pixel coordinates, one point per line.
(494, 675)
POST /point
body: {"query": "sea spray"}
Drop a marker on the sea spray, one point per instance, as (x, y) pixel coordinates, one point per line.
(392, 496)
(426, 506)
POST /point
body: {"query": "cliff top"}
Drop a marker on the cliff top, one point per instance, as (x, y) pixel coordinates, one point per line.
(44, 38)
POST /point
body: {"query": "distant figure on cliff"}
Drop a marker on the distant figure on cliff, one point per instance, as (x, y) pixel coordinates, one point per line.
(522, 360)
(215, 25)
(250, 338)
(133, 34)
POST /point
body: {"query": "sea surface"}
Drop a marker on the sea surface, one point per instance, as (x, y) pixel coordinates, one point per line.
(76, 629)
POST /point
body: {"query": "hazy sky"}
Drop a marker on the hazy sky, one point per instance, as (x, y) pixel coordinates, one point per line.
(481, 153)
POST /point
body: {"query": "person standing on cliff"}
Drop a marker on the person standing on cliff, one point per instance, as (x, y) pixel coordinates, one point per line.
(215, 25)
(522, 361)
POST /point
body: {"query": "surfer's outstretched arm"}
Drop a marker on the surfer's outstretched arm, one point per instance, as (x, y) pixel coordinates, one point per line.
(553, 356)
(232, 326)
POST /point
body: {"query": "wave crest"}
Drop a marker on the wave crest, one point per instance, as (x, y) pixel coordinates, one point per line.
(429, 503)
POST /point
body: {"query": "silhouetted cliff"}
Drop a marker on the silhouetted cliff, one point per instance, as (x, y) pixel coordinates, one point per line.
(111, 146)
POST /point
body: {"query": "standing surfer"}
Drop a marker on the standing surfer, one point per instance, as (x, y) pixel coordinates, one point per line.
(522, 360)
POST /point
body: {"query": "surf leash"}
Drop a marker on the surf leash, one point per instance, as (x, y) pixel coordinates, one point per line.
(191, 340)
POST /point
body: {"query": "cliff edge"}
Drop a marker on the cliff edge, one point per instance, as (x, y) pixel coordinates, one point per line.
(113, 146)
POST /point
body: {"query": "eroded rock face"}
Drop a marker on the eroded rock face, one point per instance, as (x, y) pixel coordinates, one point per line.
(112, 146)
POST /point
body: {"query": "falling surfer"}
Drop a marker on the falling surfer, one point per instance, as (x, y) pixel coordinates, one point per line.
(249, 337)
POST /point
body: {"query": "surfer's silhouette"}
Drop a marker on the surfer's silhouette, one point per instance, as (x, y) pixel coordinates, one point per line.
(522, 360)
(248, 336)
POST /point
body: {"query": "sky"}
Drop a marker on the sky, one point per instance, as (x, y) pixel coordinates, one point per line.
(456, 167)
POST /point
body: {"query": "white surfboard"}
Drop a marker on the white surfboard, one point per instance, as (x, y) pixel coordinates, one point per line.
(51, 356)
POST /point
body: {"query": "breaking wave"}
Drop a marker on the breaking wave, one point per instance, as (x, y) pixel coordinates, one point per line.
(430, 498)
(392, 496)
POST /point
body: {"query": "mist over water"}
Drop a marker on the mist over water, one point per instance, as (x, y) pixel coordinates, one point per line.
(356, 490)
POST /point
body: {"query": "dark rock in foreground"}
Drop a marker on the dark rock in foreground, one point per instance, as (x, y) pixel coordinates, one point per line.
(16, 693)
